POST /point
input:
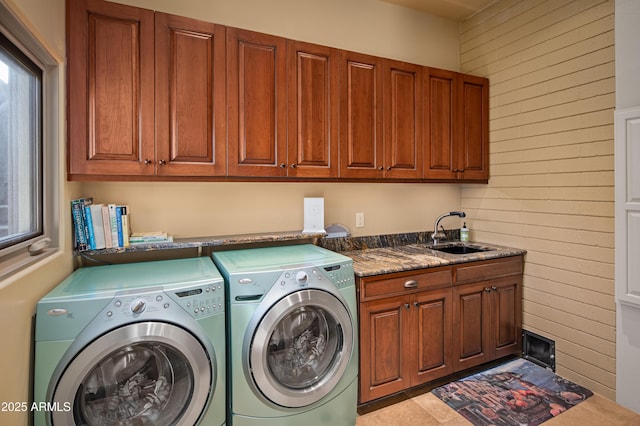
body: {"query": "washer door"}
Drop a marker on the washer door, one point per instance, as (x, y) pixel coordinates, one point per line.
(301, 348)
(143, 373)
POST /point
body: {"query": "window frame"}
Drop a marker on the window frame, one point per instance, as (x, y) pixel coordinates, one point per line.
(16, 257)
(37, 70)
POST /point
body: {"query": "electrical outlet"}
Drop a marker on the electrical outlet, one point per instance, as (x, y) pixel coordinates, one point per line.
(360, 220)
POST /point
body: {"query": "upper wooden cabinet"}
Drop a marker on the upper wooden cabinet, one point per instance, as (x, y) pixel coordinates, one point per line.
(158, 96)
(472, 127)
(403, 120)
(312, 110)
(381, 120)
(439, 158)
(457, 139)
(146, 93)
(257, 104)
(190, 97)
(110, 89)
(361, 119)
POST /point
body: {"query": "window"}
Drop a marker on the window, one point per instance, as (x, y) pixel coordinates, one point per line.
(20, 146)
(31, 76)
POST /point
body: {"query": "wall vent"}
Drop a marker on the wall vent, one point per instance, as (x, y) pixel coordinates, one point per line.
(539, 350)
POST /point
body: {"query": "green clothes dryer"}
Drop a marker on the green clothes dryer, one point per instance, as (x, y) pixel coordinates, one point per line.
(138, 343)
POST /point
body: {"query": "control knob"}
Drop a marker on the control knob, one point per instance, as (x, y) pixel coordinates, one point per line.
(138, 306)
(302, 277)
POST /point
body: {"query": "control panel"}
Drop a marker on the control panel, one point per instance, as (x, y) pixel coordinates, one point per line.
(201, 301)
(198, 302)
(341, 275)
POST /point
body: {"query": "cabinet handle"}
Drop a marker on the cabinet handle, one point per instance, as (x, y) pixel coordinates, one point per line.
(294, 165)
(494, 288)
(487, 289)
(389, 168)
(282, 165)
(147, 161)
(406, 305)
(381, 168)
(415, 304)
(411, 284)
(162, 162)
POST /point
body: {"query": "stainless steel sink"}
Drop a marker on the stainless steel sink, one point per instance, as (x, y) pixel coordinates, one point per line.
(459, 248)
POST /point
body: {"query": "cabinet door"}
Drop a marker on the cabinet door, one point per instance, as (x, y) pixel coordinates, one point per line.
(403, 120)
(384, 336)
(257, 114)
(439, 154)
(312, 110)
(361, 116)
(110, 89)
(507, 316)
(472, 127)
(190, 97)
(432, 346)
(472, 329)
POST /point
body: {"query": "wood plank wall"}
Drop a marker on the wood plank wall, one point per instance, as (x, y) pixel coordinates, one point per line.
(551, 191)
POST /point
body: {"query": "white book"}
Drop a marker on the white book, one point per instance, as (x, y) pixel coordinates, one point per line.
(106, 224)
(98, 227)
(114, 225)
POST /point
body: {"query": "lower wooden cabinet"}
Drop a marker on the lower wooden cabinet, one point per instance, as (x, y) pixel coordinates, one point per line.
(487, 321)
(419, 326)
(404, 341)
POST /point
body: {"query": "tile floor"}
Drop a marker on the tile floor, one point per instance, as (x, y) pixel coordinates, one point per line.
(428, 410)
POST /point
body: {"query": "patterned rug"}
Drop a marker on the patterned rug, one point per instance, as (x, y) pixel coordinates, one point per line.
(516, 393)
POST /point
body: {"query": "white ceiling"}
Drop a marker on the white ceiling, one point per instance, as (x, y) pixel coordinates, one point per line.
(458, 10)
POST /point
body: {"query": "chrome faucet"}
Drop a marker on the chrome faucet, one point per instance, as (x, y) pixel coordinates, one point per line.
(438, 235)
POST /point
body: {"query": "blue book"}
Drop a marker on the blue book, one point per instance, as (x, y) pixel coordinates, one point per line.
(89, 227)
(119, 225)
(77, 207)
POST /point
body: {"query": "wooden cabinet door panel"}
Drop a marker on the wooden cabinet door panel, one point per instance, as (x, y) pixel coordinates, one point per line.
(439, 155)
(473, 131)
(432, 345)
(507, 315)
(383, 330)
(361, 116)
(190, 97)
(110, 89)
(256, 90)
(403, 120)
(471, 315)
(312, 110)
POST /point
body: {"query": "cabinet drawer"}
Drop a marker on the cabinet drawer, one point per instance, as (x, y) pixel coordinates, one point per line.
(392, 284)
(486, 270)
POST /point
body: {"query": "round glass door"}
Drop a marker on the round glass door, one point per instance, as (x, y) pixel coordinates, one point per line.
(161, 377)
(301, 348)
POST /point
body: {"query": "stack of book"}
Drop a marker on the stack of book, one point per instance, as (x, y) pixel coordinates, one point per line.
(99, 226)
(150, 238)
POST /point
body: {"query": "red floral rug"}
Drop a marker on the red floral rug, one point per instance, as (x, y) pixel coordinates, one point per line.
(518, 392)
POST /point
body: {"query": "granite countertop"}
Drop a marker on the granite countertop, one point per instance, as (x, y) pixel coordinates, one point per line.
(223, 240)
(372, 255)
(385, 260)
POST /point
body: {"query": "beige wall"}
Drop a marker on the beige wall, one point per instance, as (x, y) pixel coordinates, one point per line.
(200, 209)
(551, 67)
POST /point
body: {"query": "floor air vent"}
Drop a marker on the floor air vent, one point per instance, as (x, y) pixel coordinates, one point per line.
(539, 350)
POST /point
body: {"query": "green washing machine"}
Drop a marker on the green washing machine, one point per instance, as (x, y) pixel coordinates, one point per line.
(136, 344)
(292, 336)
